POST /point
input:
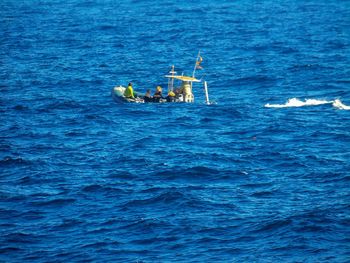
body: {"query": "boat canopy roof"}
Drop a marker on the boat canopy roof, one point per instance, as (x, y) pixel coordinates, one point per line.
(183, 78)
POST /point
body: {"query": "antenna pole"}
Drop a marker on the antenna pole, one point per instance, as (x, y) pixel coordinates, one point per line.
(206, 93)
(195, 64)
(171, 79)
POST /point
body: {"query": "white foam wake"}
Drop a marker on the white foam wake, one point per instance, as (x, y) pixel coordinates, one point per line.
(338, 104)
(294, 102)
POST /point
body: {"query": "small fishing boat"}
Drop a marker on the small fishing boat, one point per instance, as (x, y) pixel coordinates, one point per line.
(177, 92)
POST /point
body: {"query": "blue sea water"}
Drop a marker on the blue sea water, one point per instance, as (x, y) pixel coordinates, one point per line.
(86, 179)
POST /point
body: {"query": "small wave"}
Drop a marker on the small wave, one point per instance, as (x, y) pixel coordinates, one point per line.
(273, 225)
(69, 223)
(99, 244)
(170, 197)
(59, 202)
(21, 237)
(196, 172)
(263, 194)
(12, 161)
(61, 104)
(32, 215)
(294, 102)
(338, 104)
(5, 250)
(146, 224)
(20, 108)
(96, 188)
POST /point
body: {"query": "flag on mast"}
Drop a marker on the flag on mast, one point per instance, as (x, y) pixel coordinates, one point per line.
(198, 62)
(197, 65)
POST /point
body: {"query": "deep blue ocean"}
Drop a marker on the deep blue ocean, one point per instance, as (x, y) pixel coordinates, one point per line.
(260, 175)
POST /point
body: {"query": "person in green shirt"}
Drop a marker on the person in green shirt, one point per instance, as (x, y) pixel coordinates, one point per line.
(129, 92)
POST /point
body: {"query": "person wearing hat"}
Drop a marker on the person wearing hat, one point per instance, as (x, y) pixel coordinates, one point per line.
(158, 94)
(148, 97)
(170, 97)
(129, 92)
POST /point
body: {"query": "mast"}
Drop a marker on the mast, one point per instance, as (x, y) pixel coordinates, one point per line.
(171, 79)
(195, 64)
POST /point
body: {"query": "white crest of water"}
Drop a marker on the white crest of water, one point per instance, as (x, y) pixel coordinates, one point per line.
(338, 104)
(294, 102)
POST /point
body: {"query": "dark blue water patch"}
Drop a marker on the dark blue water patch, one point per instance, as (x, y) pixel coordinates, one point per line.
(21, 238)
(276, 226)
(10, 250)
(13, 161)
(32, 179)
(54, 202)
(95, 188)
(8, 213)
(33, 215)
(167, 198)
(263, 194)
(67, 224)
(309, 67)
(20, 108)
(10, 199)
(194, 173)
(56, 104)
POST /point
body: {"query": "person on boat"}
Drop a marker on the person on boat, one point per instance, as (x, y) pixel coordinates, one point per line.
(129, 92)
(148, 97)
(178, 94)
(187, 91)
(170, 97)
(158, 94)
